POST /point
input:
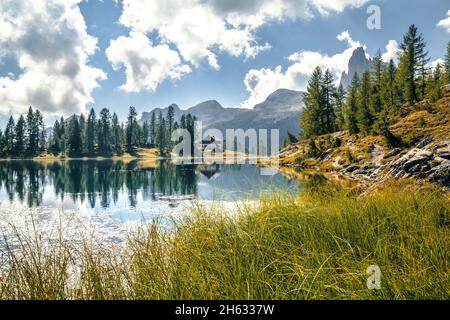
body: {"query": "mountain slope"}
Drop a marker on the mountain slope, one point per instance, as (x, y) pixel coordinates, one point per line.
(424, 151)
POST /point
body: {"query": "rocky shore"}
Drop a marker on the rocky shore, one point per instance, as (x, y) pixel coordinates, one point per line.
(426, 161)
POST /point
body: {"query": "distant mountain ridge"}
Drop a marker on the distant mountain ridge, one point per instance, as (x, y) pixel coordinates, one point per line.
(281, 110)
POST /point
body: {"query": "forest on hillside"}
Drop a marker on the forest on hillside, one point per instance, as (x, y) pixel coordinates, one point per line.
(374, 100)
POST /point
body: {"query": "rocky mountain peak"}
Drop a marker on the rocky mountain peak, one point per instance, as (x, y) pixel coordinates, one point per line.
(358, 64)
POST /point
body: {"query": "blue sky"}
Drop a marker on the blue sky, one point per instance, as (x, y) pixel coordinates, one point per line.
(186, 77)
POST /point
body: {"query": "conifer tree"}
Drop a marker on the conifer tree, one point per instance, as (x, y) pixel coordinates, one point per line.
(132, 130)
(381, 127)
(161, 133)
(364, 116)
(376, 101)
(413, 47)
(55, 143)
(90, 132)
(116, 134)
(352, 106)
(19, 143)
(153, 129)
(436, 83)
(74, 142)
(170, 118)
(62, 134)
(400, 79)
(145, 134)
(32, 133)
(327, 91)
(83, 125)
(40, 130)
(9, 135)
(339, 106)
(104, 131)
(312, 119)
(389, 92)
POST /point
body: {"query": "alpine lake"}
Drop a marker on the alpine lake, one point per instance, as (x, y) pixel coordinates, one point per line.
(105, 199)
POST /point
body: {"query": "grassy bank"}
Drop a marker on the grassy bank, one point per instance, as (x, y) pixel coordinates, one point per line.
(314, 246)
(140, 153)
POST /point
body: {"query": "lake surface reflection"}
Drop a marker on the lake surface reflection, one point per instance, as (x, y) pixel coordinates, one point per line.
(111, 195)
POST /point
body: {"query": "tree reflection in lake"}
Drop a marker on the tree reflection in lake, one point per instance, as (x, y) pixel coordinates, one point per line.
(97, 181)
(101, 183)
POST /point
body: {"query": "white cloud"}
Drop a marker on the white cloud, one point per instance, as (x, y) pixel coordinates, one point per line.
(445, 23)
(261, 83)
(392, 52)
(325, 7)
(146, 66)
(200, 29)
(434, 63)
(193, 27)
(50, 43)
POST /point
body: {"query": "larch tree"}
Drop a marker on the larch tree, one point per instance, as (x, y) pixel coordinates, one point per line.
(327, 91)
(90, 132)
(352, 106)
(364, 116)
(312, 119)
(20, 143)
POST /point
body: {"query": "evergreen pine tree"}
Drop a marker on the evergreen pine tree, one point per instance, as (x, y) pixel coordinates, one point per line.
(40, 131)
(161, 133)
(364, 116)
(339, 101)
(170, 118)
(153, 129)
(55, 144)
(19, 145)
(62, 135)
(145, 134)
(328, 89)
(352, 106)
(116, 134)
(389, 92)
(104, 130)
(90, 132)
(436, 83)
(9, 136)
(312, 119)
(32, 133)
(74, 142)
(83, 125)
(381, 127)
(375, 102)
(131, 130)
(413, 47)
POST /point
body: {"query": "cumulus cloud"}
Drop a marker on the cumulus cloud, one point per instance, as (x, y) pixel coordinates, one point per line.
(325, 7)
(146, 66)
(261, 83)
(200, 29)
(193, 27)
(445, 23)
(49, 41)
(433, 64)
(392, 52)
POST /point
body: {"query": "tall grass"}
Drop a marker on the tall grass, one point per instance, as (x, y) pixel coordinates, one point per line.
(314, 246)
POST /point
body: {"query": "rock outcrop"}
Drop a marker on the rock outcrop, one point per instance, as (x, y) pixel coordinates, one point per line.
(424, 161)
